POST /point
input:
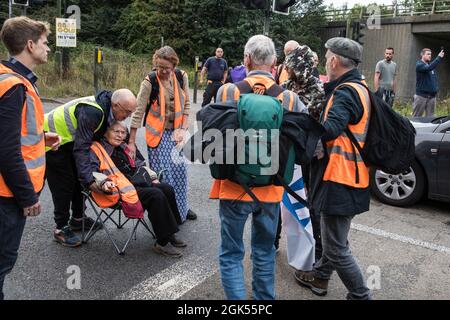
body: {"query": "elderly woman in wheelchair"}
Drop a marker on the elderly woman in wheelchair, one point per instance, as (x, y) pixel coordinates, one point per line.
(109, 156)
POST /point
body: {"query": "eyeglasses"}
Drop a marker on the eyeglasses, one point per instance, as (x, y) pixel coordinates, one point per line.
(128, 112)
(120, 132)
(165, 68)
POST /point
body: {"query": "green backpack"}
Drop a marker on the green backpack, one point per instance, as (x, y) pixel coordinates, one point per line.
(260, 118)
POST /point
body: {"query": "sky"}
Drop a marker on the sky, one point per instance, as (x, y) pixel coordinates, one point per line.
(351, 3)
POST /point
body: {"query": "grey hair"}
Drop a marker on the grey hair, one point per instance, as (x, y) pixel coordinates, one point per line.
(347, 62)
(261, 49)
(117, 123)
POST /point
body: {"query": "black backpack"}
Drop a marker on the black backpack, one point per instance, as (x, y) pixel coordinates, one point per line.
(390, 141)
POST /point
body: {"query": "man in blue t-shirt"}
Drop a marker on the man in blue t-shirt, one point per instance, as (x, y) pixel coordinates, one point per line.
(217, 69)
(426, 84)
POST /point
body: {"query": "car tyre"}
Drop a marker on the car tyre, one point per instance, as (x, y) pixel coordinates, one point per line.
(400, 190)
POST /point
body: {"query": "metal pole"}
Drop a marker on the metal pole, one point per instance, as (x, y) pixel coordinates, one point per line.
(197, 59)
(162, 42)
(10, 9)
(267, 22)
(58, 55)
(96, 70)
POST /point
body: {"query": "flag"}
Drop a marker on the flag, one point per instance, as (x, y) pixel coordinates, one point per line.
(297, 226)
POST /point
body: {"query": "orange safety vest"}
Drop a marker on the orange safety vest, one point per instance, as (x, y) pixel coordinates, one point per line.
(126, 191)
(32, 132)
(341, 167)
(284, 76)
(156, 117)
(228, 190)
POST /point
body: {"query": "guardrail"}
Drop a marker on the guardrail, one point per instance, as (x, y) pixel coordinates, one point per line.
(390, 11)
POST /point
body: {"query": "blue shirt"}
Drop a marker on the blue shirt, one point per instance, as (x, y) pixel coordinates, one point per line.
(426, 78)
(216, 68)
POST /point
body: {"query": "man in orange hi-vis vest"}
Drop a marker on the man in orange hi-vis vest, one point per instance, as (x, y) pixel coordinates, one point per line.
(340, 179)
(23, 142)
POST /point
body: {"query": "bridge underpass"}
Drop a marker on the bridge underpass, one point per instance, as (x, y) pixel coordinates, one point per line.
(408, 36)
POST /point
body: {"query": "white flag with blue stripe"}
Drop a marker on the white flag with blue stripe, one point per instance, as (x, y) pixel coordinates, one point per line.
(297, 226)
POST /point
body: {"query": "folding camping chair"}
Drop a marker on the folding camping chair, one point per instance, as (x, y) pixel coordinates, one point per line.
(104, 215)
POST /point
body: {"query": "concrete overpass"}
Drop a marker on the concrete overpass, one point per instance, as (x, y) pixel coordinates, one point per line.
(408, 35)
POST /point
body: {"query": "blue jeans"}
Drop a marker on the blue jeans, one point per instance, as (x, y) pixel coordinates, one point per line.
(336, 255)
(233, 215)
(12, 223)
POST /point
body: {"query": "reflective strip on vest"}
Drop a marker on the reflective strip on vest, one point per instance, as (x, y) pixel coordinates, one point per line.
(346, 165)
(32, 133)
(156, 116)
(32, 137)
(62, 119)
(35, 163)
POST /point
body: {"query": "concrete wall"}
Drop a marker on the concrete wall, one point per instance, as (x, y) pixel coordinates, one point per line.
(399, 34)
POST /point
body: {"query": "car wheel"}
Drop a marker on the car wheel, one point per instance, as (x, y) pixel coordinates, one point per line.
(400, 190)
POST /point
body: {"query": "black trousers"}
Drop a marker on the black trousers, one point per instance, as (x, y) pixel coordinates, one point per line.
(12, 223)
(159, 201)
(211, 92)
(64, 185)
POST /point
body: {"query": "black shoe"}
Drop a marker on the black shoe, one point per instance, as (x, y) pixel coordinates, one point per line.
(177, 243)
(191, 215)
(66, 237)
(76, 225)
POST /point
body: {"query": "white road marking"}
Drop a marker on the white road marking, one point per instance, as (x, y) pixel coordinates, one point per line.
(173, 282)
(397, 237)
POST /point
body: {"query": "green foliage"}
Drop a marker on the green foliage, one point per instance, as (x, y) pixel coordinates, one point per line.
(191, 27)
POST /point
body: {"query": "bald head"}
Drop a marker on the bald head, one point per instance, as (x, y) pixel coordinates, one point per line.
(123, 103)
(290, 46)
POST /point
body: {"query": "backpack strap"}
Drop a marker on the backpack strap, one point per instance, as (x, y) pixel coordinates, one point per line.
(274, 91)
(244, 87)
(291, 192)
(179, 74)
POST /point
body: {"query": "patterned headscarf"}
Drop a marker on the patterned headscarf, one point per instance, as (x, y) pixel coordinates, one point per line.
(300, 64)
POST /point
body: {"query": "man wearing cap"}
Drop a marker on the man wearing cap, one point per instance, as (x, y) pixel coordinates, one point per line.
(340, 179)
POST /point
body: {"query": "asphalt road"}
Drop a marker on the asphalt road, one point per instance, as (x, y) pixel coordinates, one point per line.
(405, 251)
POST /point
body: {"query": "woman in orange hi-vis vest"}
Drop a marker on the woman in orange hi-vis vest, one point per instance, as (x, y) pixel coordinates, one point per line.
(163, 109)
(23, 141)
(129, 179)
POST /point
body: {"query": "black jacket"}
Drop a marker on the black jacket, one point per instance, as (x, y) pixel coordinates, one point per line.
(12, 166)
(88, 119)
(329, 197)
(297, 128)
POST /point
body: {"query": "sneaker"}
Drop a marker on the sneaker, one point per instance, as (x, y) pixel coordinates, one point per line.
(191, 215)
(66, 237)
(168, 250)
(309, 280)
(174, 241)
(77, 225)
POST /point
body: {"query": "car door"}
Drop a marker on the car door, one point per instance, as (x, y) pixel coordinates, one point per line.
(443, 174)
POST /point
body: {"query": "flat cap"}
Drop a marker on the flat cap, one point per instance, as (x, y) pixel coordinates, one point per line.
(346, 48)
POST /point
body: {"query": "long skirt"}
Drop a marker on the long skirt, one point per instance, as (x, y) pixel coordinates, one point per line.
(166, 157)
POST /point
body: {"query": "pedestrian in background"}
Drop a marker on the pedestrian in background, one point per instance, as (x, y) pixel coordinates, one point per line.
(23, 141)
(427, 85)
(217, 69)
(281, 74)
(384, 81)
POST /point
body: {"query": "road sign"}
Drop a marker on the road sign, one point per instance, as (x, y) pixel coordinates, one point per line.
(66, 32)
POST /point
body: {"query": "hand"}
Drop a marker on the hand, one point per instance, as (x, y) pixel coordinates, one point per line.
(132, 149)
(52, 140)
(156, 181)
(178, 136)
(442, 54)
(108, 186)
(32, 211)
(94, 187)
